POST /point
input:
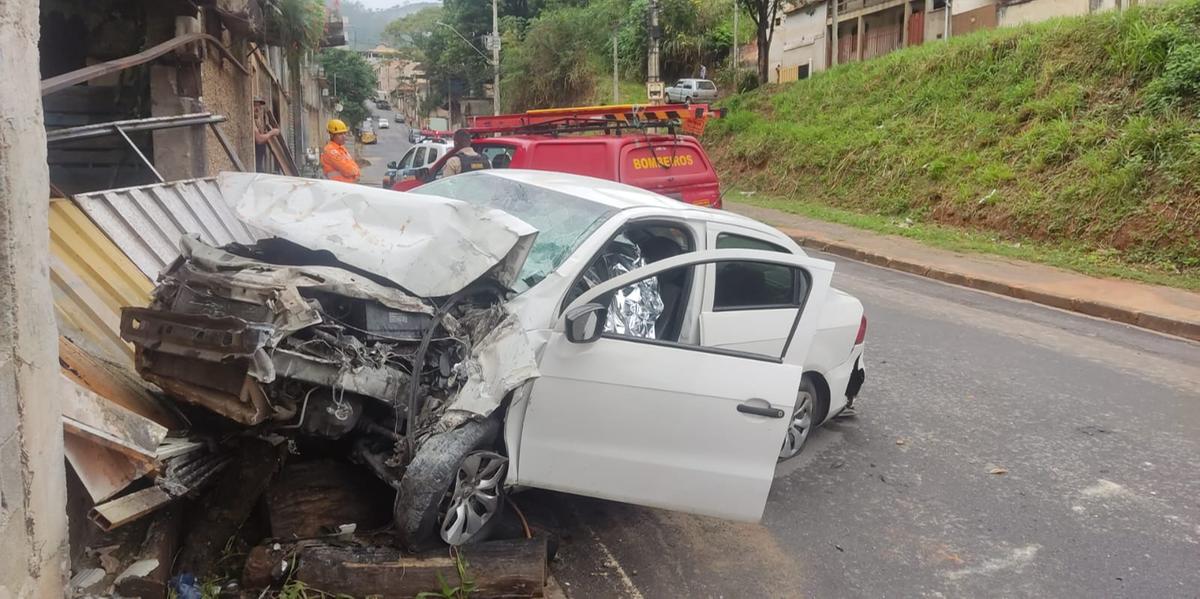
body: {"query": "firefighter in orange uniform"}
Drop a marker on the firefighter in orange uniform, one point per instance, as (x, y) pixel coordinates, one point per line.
(335, 158)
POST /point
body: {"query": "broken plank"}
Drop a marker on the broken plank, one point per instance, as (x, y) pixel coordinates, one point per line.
(497, 569)
(104, 472)
(86, 413)
(127, 508)
(112, 382)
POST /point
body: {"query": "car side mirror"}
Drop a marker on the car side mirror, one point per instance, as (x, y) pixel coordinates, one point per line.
(585, 323)
(393, 165)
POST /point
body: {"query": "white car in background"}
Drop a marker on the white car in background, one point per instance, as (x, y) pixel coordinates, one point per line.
(383, 123)
(686, 91)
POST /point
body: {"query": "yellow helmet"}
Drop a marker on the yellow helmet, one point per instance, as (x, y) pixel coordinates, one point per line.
(336, 126)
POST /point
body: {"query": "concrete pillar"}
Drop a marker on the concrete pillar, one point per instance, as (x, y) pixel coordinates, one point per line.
(833, 9)
(904, 24)
(33, 527)
(862, 30)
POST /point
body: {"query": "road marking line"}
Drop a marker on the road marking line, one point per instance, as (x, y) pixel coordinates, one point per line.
(611, 561)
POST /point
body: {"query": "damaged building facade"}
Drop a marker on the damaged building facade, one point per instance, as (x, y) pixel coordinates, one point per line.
(125, 60)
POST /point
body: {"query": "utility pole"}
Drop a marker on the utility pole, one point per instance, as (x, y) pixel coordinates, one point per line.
(654, 86)
(495, 61)
(733, 60)
(616, 90)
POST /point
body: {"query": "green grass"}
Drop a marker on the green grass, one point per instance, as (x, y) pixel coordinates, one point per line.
(1077, 138)
(629, 92)
(1079, 258)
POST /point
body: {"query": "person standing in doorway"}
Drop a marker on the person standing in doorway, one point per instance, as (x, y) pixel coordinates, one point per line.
(263, 132)
(336, 161)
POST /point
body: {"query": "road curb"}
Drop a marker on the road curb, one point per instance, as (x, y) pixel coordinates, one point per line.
(1155, 322)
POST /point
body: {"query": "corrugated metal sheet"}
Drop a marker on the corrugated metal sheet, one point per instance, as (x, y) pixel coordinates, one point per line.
(146, 222)
(91, 280)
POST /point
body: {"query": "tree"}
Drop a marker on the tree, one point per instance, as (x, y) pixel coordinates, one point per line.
(763, 13)
(404, 34)
(354, 81)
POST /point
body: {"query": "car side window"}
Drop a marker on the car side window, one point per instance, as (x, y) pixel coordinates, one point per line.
(753, 285)
(433, 155)
(731, 241)
(419, 159)
(745, 285)
(406, 162)
(498, 156)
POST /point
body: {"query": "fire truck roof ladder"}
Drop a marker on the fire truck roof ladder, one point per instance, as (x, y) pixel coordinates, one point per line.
(684, 117)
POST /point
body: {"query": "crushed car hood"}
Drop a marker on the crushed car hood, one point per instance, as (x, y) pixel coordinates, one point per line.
(428, 245)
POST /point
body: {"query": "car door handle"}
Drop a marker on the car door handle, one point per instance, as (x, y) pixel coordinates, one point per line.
(748, 408)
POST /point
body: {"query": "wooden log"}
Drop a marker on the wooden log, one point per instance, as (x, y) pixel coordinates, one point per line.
(496, 569)
(313, 498)
(162, 538)
(222, 511)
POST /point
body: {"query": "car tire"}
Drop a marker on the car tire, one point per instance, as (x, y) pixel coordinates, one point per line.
(453, 490)
(804, 419)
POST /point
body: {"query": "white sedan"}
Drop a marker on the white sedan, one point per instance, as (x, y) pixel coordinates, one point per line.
(503, 329)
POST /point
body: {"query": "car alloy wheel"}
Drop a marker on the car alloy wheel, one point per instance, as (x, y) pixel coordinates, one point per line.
(476, 498)
(800, 426)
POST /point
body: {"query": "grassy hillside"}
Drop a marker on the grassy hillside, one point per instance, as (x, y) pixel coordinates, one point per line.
(1080, 136)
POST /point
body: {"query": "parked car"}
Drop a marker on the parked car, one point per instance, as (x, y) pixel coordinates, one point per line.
(674, 166)
(399, 118)
(383, 123)
(515, 329)
(692, 90)
(417, 157)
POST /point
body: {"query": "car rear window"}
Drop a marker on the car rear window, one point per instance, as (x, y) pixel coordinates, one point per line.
(707, 85)
(656, 161)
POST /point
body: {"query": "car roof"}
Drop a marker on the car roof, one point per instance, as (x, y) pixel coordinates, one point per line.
(619, 195)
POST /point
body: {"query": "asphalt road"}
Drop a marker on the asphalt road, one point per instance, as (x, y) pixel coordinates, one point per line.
(393, 143)
(1001, 449)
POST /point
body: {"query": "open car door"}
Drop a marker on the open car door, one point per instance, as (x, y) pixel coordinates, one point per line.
(663, 422)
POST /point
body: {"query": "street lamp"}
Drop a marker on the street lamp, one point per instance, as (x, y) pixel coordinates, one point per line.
(494, 44)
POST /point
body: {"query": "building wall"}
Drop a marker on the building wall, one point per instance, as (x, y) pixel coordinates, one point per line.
(33, 529)
(1040, 10)
(983, 17)
(799, 40)
(226, 91)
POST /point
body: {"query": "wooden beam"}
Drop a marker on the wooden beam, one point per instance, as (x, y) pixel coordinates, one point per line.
(509, 569)
(61, 82)
(87, 414)
(904, 24)
(858, 37)
(127, 508)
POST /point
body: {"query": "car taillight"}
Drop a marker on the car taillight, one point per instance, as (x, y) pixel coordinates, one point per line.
(862, 331)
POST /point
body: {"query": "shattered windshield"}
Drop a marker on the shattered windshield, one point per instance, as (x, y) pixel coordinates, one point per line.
(563, 221)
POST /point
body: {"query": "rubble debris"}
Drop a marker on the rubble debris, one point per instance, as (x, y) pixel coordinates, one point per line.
(155, 557)
(178, 476)
(510, 569)
(221, 512)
